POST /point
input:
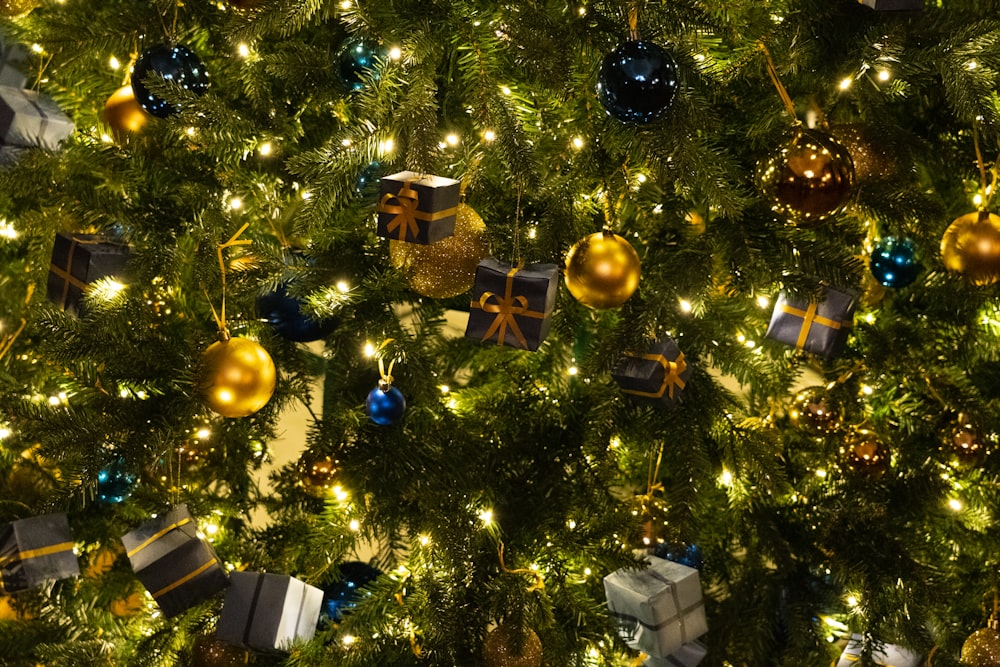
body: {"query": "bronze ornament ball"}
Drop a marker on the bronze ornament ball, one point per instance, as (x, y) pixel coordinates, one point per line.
(446, 267)
(964, 443)
(971, 246)
(237, 377)
(982, 648)
(123, 114)
(211, 652)
(814, 412)
(864, 454)
(602, 270)
(809, 178)
(12, 9)
(317, 473)
(500, 649)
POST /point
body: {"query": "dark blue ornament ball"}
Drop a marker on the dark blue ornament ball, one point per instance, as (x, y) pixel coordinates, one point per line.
(177, 64)
(894, 262)
(341, 596)
(385, 405)
(637, 82)
(368, 179)
(114, 484)
(285, 315)
(357, 57)
(685, 554)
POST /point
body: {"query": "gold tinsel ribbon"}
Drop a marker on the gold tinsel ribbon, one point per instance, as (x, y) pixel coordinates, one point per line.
(405, 212)
(539, 583)
(507, 308)
(672, 371)
(808, 317)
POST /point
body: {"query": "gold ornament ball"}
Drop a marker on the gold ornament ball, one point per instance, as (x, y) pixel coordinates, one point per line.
(814, 412)
(982, 648)
(123, 114)
(809, 178)
(447, 267)
(317, 473)
(212, 652)
(964, 443)
(500, 649)
(864, 454)
(128, 606)
(602, 270)
(237, 377)
(12, 9)
(971, 246)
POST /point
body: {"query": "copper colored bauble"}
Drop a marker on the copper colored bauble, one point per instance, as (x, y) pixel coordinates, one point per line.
(809, 178)
(864, 454)
(237, 377)
(501, 649)
(123, 114)
(12, 9)
(982, 648)
(212, 652)
(964, 443)
(317, 473)
(602, 270)
(447, 267)
(814, 412)
(971, 246)
(129, 605)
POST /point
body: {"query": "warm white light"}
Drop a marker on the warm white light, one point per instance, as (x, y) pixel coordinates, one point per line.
(571, 524)
(867, 390)
(190, 131)
(452, 139)
(343, 286)
(265, 148)
(505, 90)
(386, 146)
(243, 50)
(4, 432)
(587, 571)
(977, 200)
(106, 138)
(726, 478)
(395, 53)
(235, 203)
(486, 516)
(763, 301)
(971, 65)
(821, 474)
(369, 350)
(578, 142)
(203, 434)
(306, 195)
(339, 493)
(37, 48)
(884, 75)
(845, 83)
(354, 525)
(573, 370)
(615, 442)
(346, 4)
(7, 230)
(54, 400)
(956, 505)
(532, 233)
(348, 640)
(444, 389)
(211, 529)
(489, 135)
(684, 305)
(113, 63)
(852, 601)
(424, 540)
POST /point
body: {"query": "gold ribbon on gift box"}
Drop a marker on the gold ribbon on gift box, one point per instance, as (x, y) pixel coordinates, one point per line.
(808, 317)
(406, 212)
(160, 533)
(672, 371)
(64, 273)
(186, 578)
(507, 308)
(29, 554)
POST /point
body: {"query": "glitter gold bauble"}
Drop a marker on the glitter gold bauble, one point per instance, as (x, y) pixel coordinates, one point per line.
(123, 114)
(102, 561)
(971, 246)
(809, 178)
(873, 159)
(602, 270)
(12, 9)
(982, 648)
(864, 453)
(447, 267)
(814, 412)
(501, 649)
(237, 377)
(212, 652)
(317, 473)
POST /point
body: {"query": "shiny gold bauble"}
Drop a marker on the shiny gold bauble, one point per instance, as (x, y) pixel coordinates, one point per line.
(237, 377)
(971, 246)
(7, 610)
(964, 443)
(12, 9)
(447, 267)
(809, 178)
(317, 473)
(602, 270)
(814, 412)
(212, 652)
(123, 114)
(500, 649)
(864, 454)
(982, 648)
(130, 605)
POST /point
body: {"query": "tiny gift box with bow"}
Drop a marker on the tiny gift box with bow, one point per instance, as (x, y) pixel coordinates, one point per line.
(657, 376)
(35, 551)
(819, 327)
(512, 305)
(28, 118)
(659, 608)
(176, 566)
(417, 208)
(269, 612)
(889, 655)
(893, 5)
(689, 655)
(78, 260)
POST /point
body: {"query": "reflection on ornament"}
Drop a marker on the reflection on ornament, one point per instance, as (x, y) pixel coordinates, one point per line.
(212, 652)
(502, 648)
(114, 483)
(637, 82)
(602, 270)
(368, 178)
(237, 377)
(809, 178)
(176, 64)
(123, 114)
(864, 454)
(385, 404)
(12, 9)
(982, 648)
(446, 267)
(358, 57)
(317, 473)
(893, 261)
(964, 443)
(814, 413)
(342, 595)
(971, 246)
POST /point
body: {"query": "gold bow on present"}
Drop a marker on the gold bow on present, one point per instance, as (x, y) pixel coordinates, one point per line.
(507, 309)
(672, 371)
(405, 212)
(808, 317)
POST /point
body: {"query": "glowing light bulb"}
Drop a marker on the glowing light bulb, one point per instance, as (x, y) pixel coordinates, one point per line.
(577, 143)
(452, 139)
(395, 53)
(369, 350)
(726, 478)
(203, 434)
(424, 540)
(955, 505)
(354, 525)
(486, 516)
(845, 83)
(343, 286)
(114, 63)
(265, 148)
(235, 203)
(243, 50)
(884, 75)
(763, 301)
(489, 135)
(684, 305)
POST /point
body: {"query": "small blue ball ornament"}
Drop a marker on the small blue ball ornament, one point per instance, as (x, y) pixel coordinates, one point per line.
(368, 179)
(894, 262)
(358, 57)
(685, 554)
(174, 63)
(637, 82)
(342, 596)
(284, 314)
(114, 484)
(385, 404)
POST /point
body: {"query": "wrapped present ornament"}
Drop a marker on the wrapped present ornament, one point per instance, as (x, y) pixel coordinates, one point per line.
(889, 655)
(35, 551)
(818, 327)
(417, 208)
(79, 260)
(657, 377)
(658, 609)
(269, 612)
(12, 62)
(512, 305)
(893, 5)
(28, 118)
(176, 566)
(689, 655)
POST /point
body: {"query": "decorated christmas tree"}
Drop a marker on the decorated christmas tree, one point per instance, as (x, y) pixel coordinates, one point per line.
(508, 335)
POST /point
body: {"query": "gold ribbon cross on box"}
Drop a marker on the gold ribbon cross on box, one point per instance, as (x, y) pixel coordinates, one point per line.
(808, 317)
(405, 212)
(672, 371)
(507, 308)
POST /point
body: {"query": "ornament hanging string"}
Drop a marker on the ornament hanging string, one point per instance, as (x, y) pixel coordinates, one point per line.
(539, 581)
(653, 482)
(220, 315)
(8, 341)
(517, 226)
(385, 374)
(633, 22)
(988, 185)
(773, 73)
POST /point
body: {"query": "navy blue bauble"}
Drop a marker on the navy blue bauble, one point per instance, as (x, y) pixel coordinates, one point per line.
(177, 64)
(341, 596)
(284, 314)
(114, 484)
(385, 405)
(369, 178)
(894, 262)
(637, 82)
(685, 554)
(358, 56)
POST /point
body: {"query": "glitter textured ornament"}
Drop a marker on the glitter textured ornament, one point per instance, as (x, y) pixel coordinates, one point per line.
(813, 412)
(342, 595)
(237, 376)
(971, 246)
(893, 262)
(12, 9)
(317, 473)
(358, 56)
(637, 82)
(446, 267)
(501, 649)
(176, 64)
(212, 652)
(123, 114)
(982, 648)
(864, 453)
(809, 178)
(964, 444)
(602, 270)
(873, 159)
(385, 404)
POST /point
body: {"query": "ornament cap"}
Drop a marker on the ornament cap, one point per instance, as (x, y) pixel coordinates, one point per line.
(224, 335)
(385, 384)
